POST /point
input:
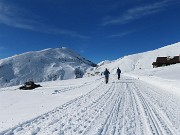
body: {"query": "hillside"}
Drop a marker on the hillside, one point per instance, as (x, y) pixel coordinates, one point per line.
(39, 66)
(141, 60)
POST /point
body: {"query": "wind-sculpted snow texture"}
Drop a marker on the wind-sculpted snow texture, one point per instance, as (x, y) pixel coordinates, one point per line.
(124, 107)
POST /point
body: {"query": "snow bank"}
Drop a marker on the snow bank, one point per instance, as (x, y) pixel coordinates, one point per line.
(163, 77)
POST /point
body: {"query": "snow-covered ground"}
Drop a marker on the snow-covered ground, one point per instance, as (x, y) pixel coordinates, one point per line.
(18, 106)
(88, 106)
(145, 101)
(141, 60)
(163, 77)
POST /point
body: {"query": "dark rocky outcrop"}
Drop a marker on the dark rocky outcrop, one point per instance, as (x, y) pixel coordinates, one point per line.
(29, 86)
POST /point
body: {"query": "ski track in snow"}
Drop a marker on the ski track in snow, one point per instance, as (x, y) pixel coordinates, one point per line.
(125, 107)
(74, 87)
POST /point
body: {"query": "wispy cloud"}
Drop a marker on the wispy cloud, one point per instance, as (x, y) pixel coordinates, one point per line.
(14, 16)
(138, 12)
(120, 35)
(2, 48)
(58, 31)
(82, 51)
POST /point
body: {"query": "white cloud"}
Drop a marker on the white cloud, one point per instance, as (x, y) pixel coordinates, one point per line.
(17, 17)
(138, 12)
(9, 15)
(51, 30)
(119, 35)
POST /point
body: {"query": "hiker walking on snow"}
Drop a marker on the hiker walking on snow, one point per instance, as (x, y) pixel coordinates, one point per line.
(118, 72)
(106, 74)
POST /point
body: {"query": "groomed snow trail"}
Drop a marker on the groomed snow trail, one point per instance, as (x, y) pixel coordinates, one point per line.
(121, 107)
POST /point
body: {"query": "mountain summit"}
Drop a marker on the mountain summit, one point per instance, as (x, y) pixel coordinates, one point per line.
(46, 65)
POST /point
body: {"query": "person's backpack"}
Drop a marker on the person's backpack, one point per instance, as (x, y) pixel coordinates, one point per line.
(106, 73)
(118, 71)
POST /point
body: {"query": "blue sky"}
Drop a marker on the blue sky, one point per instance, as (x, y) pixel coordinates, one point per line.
(96, 29)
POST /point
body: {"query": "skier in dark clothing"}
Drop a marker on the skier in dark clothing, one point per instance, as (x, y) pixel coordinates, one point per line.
(118, 72)
(106, 74)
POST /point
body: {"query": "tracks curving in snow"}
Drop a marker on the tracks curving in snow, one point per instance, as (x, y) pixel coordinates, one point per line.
(127, 107)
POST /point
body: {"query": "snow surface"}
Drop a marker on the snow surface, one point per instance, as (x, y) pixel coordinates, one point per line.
(145, 101)
(46, 65)
(141, 60)
(88, 106)
(163, 77)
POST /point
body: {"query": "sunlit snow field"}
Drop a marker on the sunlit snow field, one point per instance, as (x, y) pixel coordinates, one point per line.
(133, 105)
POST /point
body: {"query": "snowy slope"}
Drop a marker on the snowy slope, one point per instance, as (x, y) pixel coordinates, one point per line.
(141, 60)
(45, 65)
(18, 106)
(167, 78)
(144, 101)
(103, 62)
(88, 106)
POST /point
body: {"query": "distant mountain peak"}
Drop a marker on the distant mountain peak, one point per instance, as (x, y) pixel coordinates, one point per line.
(44, 65)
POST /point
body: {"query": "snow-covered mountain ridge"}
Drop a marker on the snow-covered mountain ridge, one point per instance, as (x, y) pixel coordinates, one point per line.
(60, 63)
(46, 65)
(141, 60)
